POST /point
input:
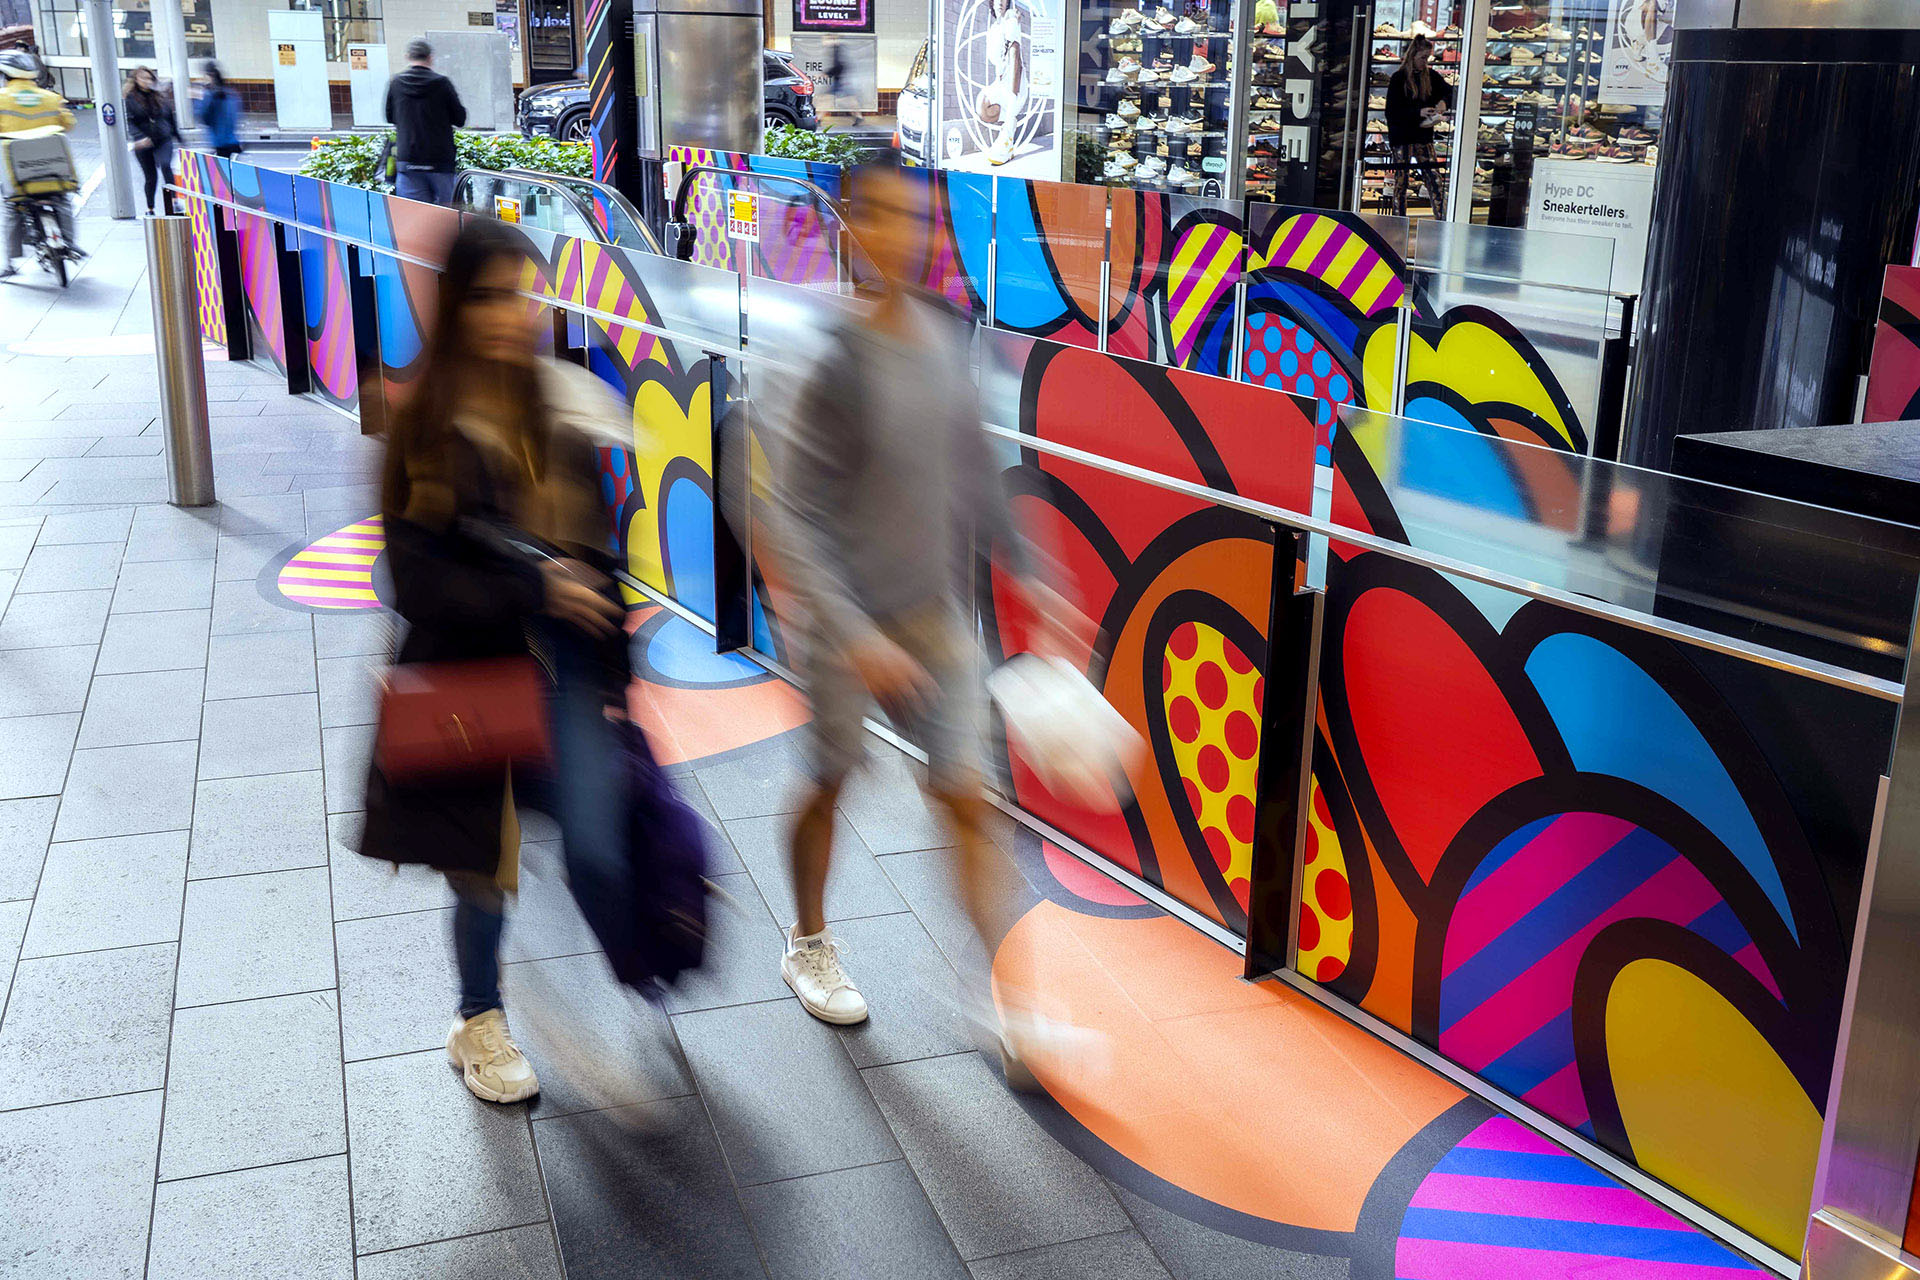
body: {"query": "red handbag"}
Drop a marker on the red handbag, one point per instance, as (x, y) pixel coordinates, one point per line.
(445, 721)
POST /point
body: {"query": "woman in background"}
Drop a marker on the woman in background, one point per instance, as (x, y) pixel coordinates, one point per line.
(218, 111)
(155, 132)
(1417, 99)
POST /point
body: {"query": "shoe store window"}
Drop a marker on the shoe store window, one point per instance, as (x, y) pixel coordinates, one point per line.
(1155, 99)
(1411, 113)
(1568, 127)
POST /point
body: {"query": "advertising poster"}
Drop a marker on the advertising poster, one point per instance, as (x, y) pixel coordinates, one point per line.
(859, 85)
(1639, 48)
(999, 77)
(833, 15)
(1596, 198)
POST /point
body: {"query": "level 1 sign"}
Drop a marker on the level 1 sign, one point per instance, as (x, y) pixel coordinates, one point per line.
(743, 215)
(1597, 198)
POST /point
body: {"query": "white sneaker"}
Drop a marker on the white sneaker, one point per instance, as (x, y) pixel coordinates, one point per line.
(1179, 177)
(1123, 162)
(1129, 110)
(1146, 124)
(1200, 66)
(1182, 75)
(1148, 76)
(1000, 152)
(489, 1061)
(1163, 17)
(811, 966)
(1115, 120)
(1187, 27)
(1129, 67)
(1116, 76)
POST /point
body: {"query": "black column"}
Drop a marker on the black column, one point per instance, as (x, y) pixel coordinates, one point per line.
(1789, 158)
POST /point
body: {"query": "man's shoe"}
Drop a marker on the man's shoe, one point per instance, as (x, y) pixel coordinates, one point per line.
(8, 271)
(489, 1061)
(811, 966)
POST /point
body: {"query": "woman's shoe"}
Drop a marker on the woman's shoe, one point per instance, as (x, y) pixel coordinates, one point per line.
(489, 1061)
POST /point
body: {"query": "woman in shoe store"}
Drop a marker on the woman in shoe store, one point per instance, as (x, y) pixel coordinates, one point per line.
(1417, 99)
(155, 132)
(493, 458)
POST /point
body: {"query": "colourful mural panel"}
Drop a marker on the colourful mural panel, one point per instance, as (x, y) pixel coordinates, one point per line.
(1893, 376)
(205, 180)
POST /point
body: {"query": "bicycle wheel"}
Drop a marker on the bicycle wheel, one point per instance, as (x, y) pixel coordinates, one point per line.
(52, 248)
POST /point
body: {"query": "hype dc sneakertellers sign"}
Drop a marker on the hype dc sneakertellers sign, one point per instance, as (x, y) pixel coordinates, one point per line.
(833, 15)
(1596, 198)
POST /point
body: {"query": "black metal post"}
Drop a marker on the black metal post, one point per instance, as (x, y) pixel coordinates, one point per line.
(293, 310)
(233, 295)
(366, 342)
(732, 466)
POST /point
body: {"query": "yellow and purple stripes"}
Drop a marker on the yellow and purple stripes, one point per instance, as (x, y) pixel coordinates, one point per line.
(1320, 246)
(336, 572)
(593, 274)
(1206, 265)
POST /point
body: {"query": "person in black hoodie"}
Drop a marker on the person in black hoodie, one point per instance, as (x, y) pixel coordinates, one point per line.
(424, 110)
(1417, 99)
(155, 132)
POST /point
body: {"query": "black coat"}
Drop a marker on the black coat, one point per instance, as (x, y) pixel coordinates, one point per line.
(150, 116)
(1405, 103)
(464, 595)
(424, 110)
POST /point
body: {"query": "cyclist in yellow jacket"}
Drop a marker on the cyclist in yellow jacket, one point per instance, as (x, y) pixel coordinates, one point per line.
(27, 109)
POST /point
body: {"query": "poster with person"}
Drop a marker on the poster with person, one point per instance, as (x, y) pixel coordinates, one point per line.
(999, 75)
(1639, 48)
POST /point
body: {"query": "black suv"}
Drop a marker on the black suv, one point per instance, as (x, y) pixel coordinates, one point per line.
(560, 109)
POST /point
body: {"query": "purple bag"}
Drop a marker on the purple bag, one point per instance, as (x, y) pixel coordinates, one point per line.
(664, 932)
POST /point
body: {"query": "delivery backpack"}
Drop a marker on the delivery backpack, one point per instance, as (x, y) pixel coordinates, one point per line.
(650, 915)
(37, 164)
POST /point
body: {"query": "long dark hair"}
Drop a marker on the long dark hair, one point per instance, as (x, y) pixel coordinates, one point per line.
(418, 483)
(215, 77)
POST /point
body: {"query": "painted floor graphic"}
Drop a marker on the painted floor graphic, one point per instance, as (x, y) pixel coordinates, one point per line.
(1247, 1110)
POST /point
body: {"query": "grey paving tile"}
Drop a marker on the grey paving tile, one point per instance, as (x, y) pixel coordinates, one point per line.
(785, 1099)
(26, 826)
(123, 892)
(521, 1253)
(89, 490)
(129, 446)
(805, 1226)
(77, 1181)
(288, 1222)
(856, 886)
(399, 991)
(742, 964)
(723, 858)
(88, 1025)
(361, 631)
(126, 791)
(13, 927)
(348, 748)
(350, 501)
(926, 879)
(74, 567)
(1195, 1252)
(38, 750)
(365, 886)
(643, 1194)
(142, 707)
(998, 1180)
(349, 689)
(243, 937)
(247, 606)
(1122, 1256)
(260, 665)
(242, 557)
(107, 525)
(883, 803)
(910, 988)
(164, 585)
(243, 737)
(41, 682)
(16, 543)
(430, 1160)
(154, 641)
(766, 780)
(595, 1043)
(254, 1083)
(282, 515)
(54, 618)
(543, 920)
(274, 822)
(184, 535)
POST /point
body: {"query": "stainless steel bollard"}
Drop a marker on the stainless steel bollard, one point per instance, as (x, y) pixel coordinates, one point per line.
(183, 370)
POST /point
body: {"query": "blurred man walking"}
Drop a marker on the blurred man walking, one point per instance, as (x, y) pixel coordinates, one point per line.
(424, 110)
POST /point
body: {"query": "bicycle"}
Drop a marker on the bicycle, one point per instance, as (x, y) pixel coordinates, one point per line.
(39, 220)
(35, 178)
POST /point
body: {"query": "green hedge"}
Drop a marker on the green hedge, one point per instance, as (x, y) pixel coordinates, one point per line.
(791, 143)
(350, 158)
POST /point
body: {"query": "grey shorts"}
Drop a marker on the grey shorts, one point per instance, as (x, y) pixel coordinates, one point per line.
(945, 727)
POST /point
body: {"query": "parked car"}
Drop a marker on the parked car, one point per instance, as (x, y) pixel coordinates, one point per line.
(561, 109)
(915, 112)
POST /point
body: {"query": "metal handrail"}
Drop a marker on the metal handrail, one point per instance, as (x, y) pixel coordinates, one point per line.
(1696, 637)
(569, 190)
(820, 196)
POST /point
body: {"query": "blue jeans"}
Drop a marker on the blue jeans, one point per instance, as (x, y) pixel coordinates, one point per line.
(425, 185)
(585, 792)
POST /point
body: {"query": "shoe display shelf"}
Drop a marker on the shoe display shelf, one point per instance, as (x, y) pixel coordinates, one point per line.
(1155, 92)
(1386, 48)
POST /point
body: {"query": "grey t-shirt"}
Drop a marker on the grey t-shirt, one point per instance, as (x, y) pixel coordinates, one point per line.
(887, 476)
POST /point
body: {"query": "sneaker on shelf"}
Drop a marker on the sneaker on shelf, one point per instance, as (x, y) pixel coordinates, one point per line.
(1182, 75)
(1181, 124)
(1444, 127)
(1269, 53)
(1128, 67)
(1127, 20)
(1147, 76)
(1199, 66)
(1116, 76)
(1376, 103)
(1152, 167)
(1553, 80)
(489, 1061)
(1555, 58)
(1187, 27)
(1268, 102)
(1451, 33)
(1120, 141)
(1125, 163)
(1420, 28)
(1558, 33)
(1115, 121)
(1376, 126)
(811, 966)
(1163, 17)
(1586, 33)
(1272, 29)
(1129, 111)
(1129, 45)
(1386, 53)
(1146, 124)
(1265, 149)
(1179, 177)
